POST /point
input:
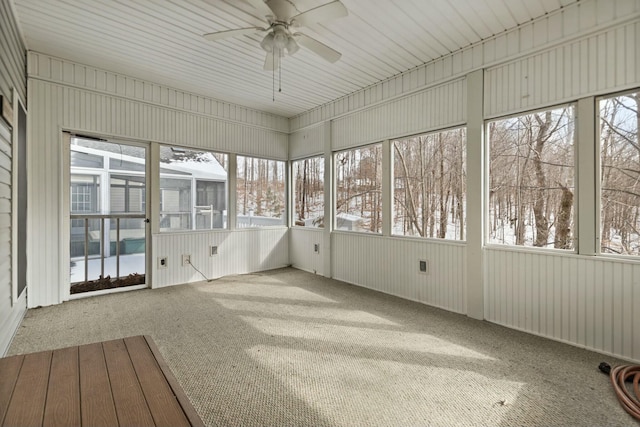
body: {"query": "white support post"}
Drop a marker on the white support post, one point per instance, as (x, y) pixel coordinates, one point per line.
(329, 191)
(475, 195)
(232, 196)
(586, 176)
(387, 188)
(153, 198)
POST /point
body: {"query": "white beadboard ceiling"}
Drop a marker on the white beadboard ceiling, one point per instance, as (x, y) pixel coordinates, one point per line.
(161, 41)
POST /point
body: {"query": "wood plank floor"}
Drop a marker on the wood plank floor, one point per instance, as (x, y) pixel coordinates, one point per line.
(123, 382)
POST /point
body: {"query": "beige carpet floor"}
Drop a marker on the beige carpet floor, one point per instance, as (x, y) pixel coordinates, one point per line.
(289, 348)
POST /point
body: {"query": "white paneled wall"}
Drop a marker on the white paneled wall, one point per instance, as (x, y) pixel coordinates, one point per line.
(238, 252)
(604, 62)
(587, 49)
(435, 108)
(55, 70)
(390, 265)
(588, 301)
(68, 96)
(565, 25)
(307, 142)
(302, 255)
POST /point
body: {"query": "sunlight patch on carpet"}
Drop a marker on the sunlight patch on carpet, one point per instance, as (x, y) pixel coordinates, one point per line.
(398, 340)
(312, 312)
(384, 392)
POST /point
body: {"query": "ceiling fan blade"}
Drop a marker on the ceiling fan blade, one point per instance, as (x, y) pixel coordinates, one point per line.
(323, 13)
(219, 35)
(318, 48)
(260, 6)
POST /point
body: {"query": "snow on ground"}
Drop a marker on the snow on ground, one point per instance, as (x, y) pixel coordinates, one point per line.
(129, 264)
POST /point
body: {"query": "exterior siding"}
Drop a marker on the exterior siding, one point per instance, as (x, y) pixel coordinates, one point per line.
(12, 55)
(12, 75)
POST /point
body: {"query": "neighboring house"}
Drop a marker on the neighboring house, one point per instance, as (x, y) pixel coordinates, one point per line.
(108, 179)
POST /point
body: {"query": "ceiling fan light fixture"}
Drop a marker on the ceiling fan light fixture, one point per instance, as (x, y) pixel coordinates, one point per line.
(267, 43)
(280, 38)
(292, 45)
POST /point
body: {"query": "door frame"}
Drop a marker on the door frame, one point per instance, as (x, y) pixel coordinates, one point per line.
(65, 227)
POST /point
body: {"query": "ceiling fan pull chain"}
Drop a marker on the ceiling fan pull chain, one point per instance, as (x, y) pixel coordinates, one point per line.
(273, 76)
(280, 78)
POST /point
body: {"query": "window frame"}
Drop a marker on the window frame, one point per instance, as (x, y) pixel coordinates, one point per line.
(286, 210)
(598, 175)
(192, 191)
(487, 178)
(334, 198)
(393, 182)
(325, 188)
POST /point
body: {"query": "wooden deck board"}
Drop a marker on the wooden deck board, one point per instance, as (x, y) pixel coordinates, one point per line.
(164, 406)
(96, 400)
(9, 370)
(62, 407)
(131, 406)
(31, 386)
(119, 382)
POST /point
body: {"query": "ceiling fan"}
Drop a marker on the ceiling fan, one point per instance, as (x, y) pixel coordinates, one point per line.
(284, 18)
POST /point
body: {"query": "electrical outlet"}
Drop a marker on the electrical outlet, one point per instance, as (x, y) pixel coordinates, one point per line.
(163, 262)
(423, 266)
(316, 248)
(213, 250)
(186, 260)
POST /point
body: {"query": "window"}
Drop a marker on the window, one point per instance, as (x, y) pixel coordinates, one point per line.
(193, 189)
(308, 192)
(359, 189)
(127, 194)
(531, 179)
(429, 176)
(620, 175)
(85, 190)
(261, 192)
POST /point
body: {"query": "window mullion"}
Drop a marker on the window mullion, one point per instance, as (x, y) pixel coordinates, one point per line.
(587, 183)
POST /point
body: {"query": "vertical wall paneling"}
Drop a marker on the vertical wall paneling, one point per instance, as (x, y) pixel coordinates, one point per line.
(580, 300)
(119, 106)
(70, 74)
(551, 31)
(306, 142)
(437, 107)
(239, 252)
(302, 253)
(12, 78)
(603, 62)
(583, 50)
(357, 258)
